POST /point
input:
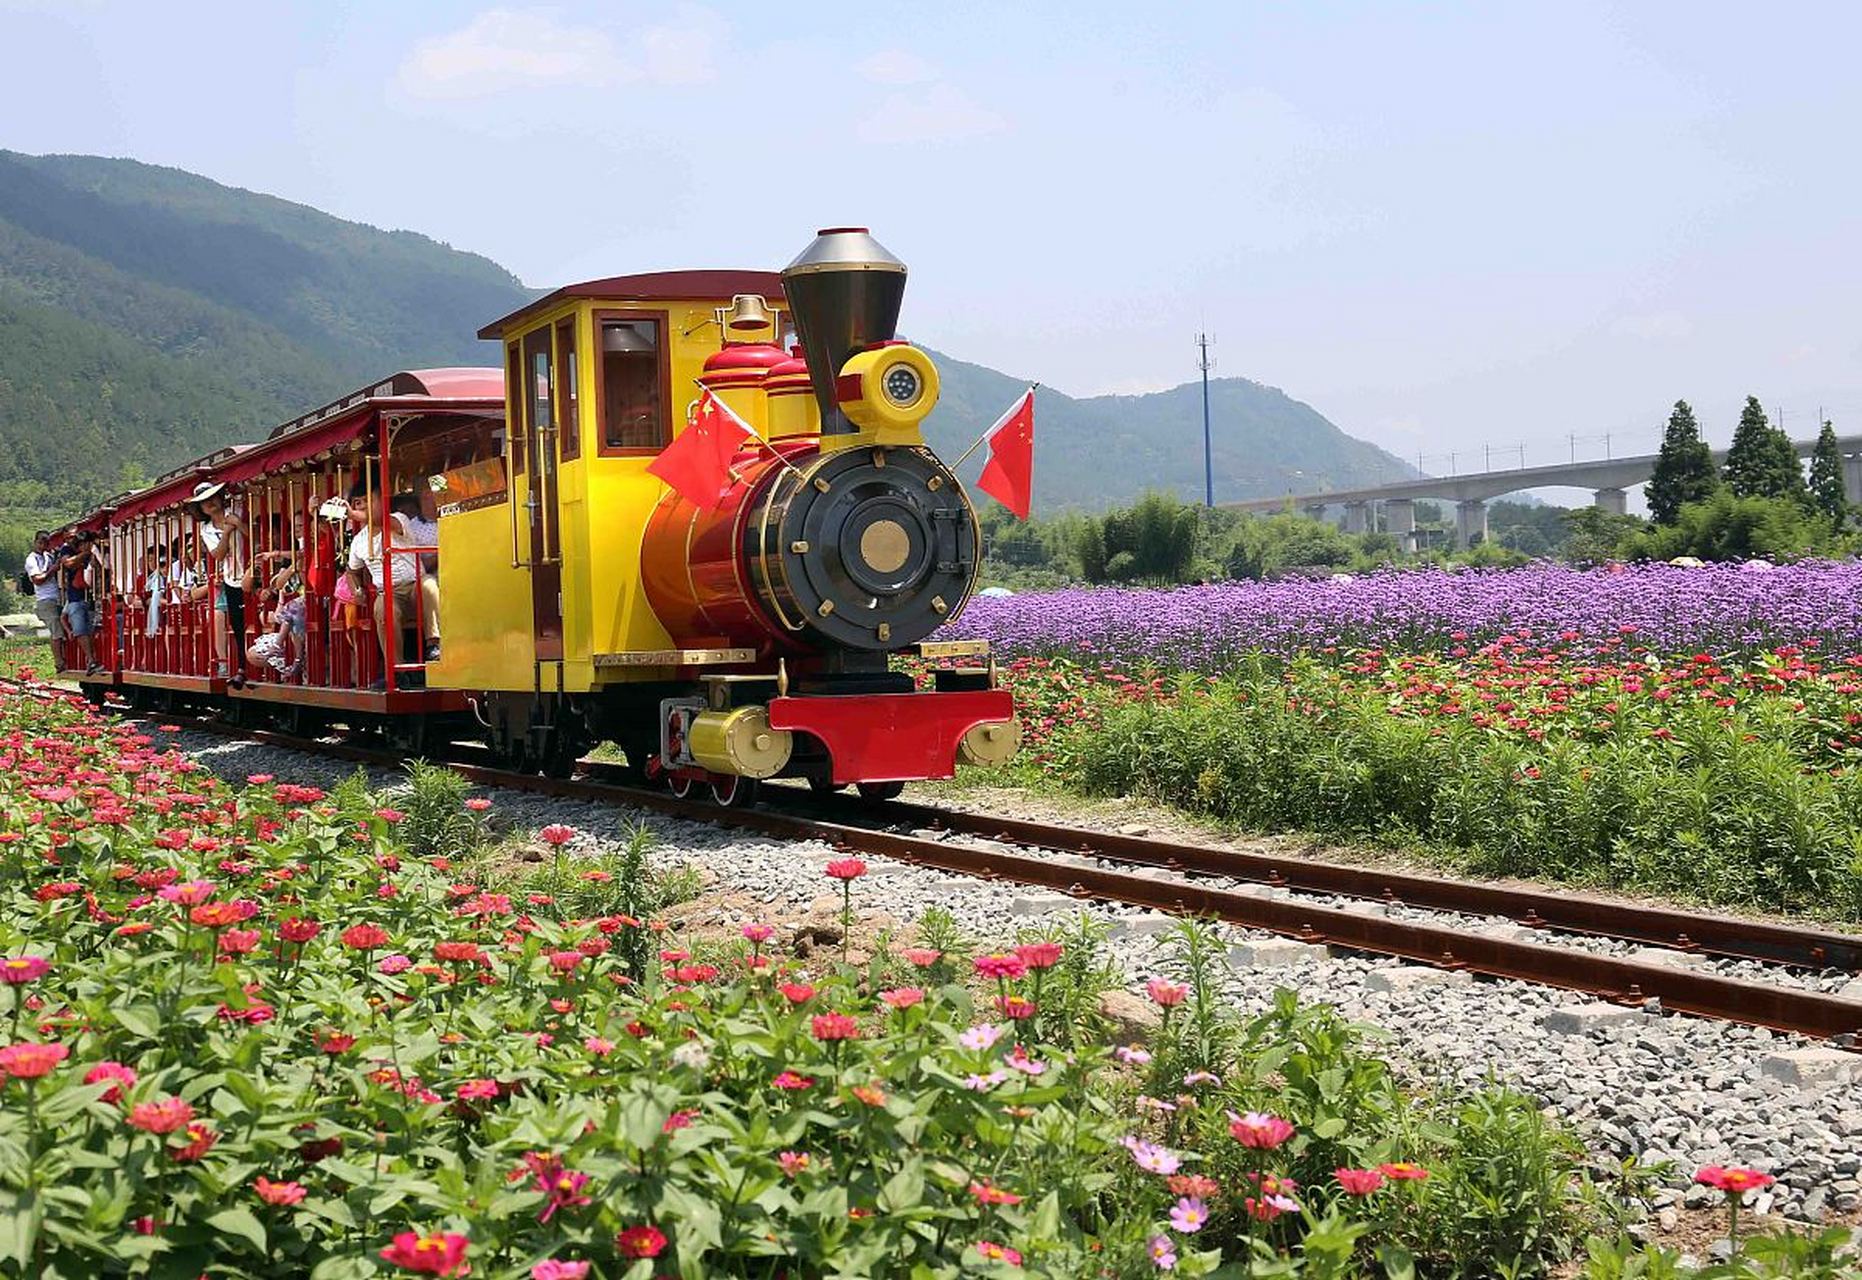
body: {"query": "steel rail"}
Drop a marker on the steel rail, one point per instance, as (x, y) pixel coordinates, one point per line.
(1610, 978)
(1695, 932)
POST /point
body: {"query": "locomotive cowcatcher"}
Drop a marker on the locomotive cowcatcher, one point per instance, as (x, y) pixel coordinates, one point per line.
(533, 583)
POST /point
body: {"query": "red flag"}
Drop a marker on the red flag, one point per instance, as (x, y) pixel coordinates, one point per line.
(1008, 476)
(698, 461)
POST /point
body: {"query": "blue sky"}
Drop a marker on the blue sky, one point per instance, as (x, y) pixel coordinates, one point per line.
(1446, 226)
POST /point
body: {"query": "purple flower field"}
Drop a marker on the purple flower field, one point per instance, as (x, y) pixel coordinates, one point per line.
(1721, 609)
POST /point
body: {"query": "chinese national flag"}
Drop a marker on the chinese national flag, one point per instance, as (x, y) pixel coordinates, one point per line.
(698, 462)
(1008, 476)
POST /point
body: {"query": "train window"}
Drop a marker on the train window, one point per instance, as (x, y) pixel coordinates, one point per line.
(633, 383)
(567, 390)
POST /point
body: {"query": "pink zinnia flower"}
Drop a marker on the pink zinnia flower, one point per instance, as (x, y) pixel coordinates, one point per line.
(556, 834)
(552, 1269)
(1358, 1182)
(846, 869)
(1000, 966)
(1039, 955)
(834, 1026)
(16, 970)
(1404, 1171)
(902, 997)
(1166, 993)
(121, 1077)
(980, 1037)
(793, 1162)
(990, 1251)
(1259, 1130)
(1733, 1181)
(758, 932)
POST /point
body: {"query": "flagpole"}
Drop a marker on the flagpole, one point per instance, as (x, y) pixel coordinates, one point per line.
(994, 426)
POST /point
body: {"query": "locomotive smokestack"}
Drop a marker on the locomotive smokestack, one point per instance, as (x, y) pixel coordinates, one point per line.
(844, 292)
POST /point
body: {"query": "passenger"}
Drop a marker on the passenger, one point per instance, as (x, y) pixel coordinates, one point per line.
(48, 599)
(282, 646)
(223, 534)
(422, 532)
(365, 555)
(154, 587)
(80, 565)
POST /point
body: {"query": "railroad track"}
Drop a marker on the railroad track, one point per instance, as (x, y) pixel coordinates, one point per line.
(1612, 978)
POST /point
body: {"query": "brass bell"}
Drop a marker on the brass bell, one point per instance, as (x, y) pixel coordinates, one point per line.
(749, 311)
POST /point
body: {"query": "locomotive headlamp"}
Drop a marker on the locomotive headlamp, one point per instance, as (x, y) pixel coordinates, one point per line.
(888, 390)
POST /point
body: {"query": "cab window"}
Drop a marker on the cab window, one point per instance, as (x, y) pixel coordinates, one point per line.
(632, 384)
(569, 428)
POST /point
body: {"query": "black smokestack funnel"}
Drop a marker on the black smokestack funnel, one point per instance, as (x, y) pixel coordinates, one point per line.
(844, 292)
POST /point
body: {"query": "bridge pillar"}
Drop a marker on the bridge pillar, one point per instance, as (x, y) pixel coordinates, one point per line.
(1470, 522)
(1314, 510)
(1400, 519)
(1852, 477)
(1357, 517)
(1615, 501)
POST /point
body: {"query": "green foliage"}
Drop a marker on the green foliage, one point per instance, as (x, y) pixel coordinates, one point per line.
(1727, 527)
(1683, 797)
(1594, 534)
(1684, 470)
(1153, 542)
(436, 822)
(1827, 491)
(1789, 1254)
(1761, 462)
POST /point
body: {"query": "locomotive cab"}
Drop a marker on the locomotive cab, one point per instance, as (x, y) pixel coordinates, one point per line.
(721, 643)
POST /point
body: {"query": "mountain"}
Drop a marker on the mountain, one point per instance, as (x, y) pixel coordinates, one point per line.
(1100, 451)
(148, 315)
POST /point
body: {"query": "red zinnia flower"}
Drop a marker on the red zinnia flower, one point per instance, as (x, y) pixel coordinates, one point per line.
(440, 1254)
(125, 1078)
(335, 1042)
(986, 1194)
(846, 868)
(1733, 1181)
(200, 1139)
(366, 937)
(834, 1026)
(640, 1242)
(790, 1080)
(298, 929)
(797, 992)
(556, 834)
(1039, 955)
(218, 915)
(1166, 993)
(1403, 1171)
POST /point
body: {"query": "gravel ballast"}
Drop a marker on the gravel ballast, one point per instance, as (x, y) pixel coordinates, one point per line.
(1633, 1082)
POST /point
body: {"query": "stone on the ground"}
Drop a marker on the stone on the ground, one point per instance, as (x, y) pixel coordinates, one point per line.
(1576, 1019)
(1273, 953)
(1668, 956)
(1041, 904)
(1146, 924)
(1812, 1066)
(1129, 1019)
(1410, 977)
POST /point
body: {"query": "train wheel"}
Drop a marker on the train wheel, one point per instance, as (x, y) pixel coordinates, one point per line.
(880, 790)
(680, 785)
(825, 786)
(734, 792)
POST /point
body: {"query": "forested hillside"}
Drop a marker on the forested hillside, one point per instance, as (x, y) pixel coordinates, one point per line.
(147, 315)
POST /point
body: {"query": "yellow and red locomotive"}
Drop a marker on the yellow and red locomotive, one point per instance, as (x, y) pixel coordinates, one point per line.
(564, 593)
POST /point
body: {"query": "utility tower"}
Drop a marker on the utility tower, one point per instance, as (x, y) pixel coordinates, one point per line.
(1204, 363)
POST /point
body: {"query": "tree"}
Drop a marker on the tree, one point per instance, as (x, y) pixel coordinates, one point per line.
(1684, 470)
(1761, 462)
(1728, 528)
(1827, 492)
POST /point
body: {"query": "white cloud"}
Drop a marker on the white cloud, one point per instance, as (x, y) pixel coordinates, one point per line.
(506, 49)
(1656, 327)
(897, 67)
(940, 113)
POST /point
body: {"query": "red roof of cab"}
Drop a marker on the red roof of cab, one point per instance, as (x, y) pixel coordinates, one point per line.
(653, 286)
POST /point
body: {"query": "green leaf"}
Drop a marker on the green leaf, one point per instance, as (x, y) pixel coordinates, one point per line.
(904, 1189)
(143, 1020)
(1330, 1127)
(242, 1222)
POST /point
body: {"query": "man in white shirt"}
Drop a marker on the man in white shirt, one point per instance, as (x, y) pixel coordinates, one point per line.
(365, 555)
(48, 598)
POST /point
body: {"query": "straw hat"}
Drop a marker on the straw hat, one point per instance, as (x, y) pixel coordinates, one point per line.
(202, 491)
